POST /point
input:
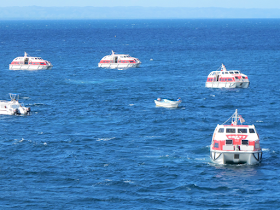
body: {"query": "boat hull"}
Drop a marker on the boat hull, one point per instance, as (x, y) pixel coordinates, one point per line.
(236, 157)
(7, 112)
(30, 67)
(227, 84)
(167, 103)
(118, 65)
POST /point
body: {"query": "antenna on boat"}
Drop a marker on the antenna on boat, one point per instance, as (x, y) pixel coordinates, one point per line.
(234, 118)
(25, 54)
(14, 96)
(113, 53)
(223, 68)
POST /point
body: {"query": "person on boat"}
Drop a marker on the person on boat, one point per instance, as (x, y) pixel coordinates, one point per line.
(179, 99)
(158, 99)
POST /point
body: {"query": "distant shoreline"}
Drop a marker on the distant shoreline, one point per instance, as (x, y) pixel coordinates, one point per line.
(81, 13)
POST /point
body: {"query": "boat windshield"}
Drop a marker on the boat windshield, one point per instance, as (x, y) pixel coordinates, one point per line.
(242, 130)
(230, 130)
(15, 106)
(251, 130)
(221, 130)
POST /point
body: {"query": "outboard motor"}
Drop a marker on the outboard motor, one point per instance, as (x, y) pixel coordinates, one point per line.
(28, 110)
(17, 112)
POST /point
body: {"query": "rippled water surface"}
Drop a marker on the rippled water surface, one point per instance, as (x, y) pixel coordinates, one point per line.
(95, 139)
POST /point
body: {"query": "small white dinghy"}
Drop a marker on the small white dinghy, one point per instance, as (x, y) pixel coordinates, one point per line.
(167, 103)
(13, 107)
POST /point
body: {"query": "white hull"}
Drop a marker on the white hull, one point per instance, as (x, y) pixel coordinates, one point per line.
(18, 111)
(13, 107)
(236, 157)
(118, 65)
(29, 67)
(227, 84)
(7, 112)
(167, 103)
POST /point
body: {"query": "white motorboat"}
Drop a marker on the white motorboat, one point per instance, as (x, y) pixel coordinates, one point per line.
(167, 103)
(13, 107)
(119, 61)
(235, 144)
(227, 79)
(29, 63)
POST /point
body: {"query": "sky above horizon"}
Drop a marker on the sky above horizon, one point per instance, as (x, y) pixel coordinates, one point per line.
(261, 4)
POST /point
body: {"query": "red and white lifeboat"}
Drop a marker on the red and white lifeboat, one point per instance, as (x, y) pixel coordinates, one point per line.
(29, 63)
(227, 79)
(235, 144)
(119, 61)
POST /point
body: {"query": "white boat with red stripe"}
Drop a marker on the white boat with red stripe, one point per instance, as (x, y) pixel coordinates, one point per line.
(119, 61)
(29, 63)
(227, 79)
(235, 144)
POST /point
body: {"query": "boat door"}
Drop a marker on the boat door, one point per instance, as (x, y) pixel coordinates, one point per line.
(116, 59)
(26, 61)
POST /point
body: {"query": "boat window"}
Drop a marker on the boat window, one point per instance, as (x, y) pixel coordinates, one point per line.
(251, 130)
(14, 106)
(242, 130)
(236, 77)
(226, 72)
(216, 145)
(230, 130)
(236, 72)
(230, 80)
(228, 141)
(223, 72)
(243, 77)
(221, 130)
(245, 142)
(231, 72)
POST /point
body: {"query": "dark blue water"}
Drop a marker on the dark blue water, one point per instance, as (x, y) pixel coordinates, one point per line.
(95, 139)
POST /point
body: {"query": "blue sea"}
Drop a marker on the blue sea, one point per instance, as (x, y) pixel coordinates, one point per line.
(96, 140)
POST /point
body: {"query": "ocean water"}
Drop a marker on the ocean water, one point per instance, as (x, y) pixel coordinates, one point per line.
(95, 139)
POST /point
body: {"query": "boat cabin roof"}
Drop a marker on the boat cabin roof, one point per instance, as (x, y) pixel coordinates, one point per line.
(30, 58)
(108, 57)
(235, 129)
(224, 72)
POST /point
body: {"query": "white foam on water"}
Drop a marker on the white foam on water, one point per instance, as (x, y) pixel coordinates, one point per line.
(105, 139)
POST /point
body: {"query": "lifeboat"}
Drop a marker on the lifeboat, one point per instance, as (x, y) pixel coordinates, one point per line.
(29, 63)
(167, 103)
(227, 79)
(235, 144)
(13, 107)
(119, 61)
